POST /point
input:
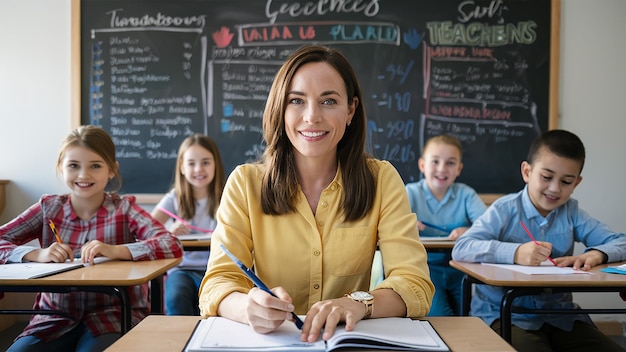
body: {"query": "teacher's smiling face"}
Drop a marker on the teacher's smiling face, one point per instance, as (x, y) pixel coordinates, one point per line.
(317, 111)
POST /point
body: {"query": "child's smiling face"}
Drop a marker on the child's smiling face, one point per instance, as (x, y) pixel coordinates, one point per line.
(551, 180)
(441, 165)
(85, 173)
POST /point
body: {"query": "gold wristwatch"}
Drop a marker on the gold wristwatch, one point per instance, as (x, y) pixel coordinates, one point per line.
(365, 298)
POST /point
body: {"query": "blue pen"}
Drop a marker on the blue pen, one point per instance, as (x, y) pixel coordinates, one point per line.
(435, 226)
(250, 274)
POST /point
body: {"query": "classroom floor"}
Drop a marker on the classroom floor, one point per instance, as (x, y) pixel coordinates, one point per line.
(614, 329)
(9, 334)
(620, 339)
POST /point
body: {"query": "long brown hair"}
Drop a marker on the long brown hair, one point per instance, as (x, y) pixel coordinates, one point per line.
(97, 140)
(280, 185)
(184, 191)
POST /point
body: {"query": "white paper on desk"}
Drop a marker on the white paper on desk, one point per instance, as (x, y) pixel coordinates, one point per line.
(34, 270)
(543, 269)
(195, 237)
(435, 238)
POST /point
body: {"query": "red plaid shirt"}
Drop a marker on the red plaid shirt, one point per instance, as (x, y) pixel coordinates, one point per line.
(118, 221)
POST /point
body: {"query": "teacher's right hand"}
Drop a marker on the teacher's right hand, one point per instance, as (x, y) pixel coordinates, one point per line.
(265, 312)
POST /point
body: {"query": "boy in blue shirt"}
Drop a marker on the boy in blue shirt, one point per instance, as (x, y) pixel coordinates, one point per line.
(451, 208)
(551, 173)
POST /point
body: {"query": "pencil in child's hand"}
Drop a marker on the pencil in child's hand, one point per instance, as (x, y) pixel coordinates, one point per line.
(535, 241)
(54, 231)
(434, 226)
(174, 216)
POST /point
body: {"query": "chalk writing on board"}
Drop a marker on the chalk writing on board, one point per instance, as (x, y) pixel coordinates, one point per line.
(155, 72)
(472, 90)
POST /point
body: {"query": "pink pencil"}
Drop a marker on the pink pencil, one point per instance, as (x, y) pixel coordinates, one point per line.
(535, 241)
(184, 222)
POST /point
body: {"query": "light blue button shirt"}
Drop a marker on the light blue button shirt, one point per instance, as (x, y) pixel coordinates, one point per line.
(496, 235)
(460, 206)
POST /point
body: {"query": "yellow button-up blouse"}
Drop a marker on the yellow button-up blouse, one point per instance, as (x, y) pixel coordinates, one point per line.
(317, 257)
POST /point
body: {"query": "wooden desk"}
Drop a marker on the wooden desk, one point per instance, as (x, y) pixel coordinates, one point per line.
(439, 245)
(518, 284)
(159, 333)
(110, 277)
(489, 198)
(195, 245)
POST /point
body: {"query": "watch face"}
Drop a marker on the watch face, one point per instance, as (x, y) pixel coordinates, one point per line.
(361, 295)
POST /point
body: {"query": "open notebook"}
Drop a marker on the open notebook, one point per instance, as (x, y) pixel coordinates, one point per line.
(33, 270)
(398, 334)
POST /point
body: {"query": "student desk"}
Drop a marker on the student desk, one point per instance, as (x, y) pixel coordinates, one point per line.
(518, 284)
(158, 333)
(196, 245)
(202, 245)
(438, 245)
(110, 277)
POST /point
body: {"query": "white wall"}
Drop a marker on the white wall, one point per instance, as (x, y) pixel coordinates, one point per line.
(34, 97)
(593, 74)
(35, 101)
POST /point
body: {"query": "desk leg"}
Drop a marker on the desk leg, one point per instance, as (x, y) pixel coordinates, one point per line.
(506, 315)
(127, 317)
(125, 305)
(156, 295)
(506, 308)
(466, 295)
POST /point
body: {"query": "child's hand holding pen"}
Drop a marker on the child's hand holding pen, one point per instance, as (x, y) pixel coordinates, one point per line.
(182, 221)
(57, 252)
(534, 252)
(179, 228)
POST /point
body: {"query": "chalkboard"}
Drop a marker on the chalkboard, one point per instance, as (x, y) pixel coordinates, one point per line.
(153, 72)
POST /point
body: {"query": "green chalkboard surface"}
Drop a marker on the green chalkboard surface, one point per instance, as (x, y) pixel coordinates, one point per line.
(153, 72)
